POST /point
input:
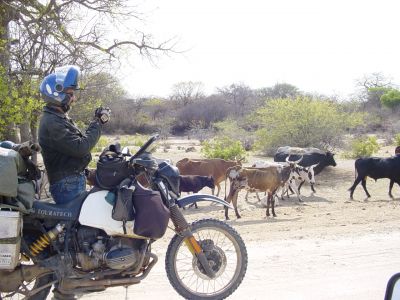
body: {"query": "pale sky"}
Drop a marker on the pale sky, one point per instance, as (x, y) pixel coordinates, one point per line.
(316, 45)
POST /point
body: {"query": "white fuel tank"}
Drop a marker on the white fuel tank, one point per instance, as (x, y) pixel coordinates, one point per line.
(96, 212)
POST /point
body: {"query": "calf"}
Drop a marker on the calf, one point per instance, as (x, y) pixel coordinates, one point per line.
(297, 178)
(376, 167)
(263, 180)
(214, 167)
(194, 183)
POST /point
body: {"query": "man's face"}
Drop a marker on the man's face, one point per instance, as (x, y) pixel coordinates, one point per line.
(71, 93)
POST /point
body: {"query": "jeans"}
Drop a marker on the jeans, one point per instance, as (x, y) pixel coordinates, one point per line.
(68, 188)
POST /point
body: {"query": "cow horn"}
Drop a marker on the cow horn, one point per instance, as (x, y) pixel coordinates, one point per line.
(293, 162)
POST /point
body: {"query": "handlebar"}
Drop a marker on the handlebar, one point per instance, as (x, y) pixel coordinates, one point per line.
(145, 146)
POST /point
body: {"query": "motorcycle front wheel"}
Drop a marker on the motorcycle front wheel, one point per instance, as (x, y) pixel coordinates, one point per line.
(225, 252)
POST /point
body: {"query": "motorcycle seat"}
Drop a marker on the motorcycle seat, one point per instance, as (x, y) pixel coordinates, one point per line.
(69, 211)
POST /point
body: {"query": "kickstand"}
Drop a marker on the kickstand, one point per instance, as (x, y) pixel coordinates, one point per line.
(126, 292)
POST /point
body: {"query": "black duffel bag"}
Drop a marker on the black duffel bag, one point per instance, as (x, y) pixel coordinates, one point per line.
(111, 169)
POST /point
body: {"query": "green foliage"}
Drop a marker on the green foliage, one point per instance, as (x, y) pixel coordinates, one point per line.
(230, 128)
(101, 144)
(364, 147)
(302, 122)
(93, 163)
(19, 101)
(133, 140)
(391, 98)
(397, 139)
(223, 147)
(100, 89)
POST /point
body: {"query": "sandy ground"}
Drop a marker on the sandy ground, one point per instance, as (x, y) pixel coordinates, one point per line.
(326, 248)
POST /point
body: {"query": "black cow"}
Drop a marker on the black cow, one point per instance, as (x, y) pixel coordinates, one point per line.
(376, 167)
(194, 183)
(311, 156)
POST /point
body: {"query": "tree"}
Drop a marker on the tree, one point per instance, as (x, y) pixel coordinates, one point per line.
(187, 92)
(374, 80)
(373, 86)
(238, 95)
(35, 36)
(99, 89)
(391, 98)
(279, 90)
(200, 114)
(302, 122)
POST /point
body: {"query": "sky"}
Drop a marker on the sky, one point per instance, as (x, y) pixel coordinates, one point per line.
(318, 46)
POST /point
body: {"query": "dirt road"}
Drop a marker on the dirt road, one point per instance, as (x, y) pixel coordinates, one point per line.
(325, 268)
(328, 247)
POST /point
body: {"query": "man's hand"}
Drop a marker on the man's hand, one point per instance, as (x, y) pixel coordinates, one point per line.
(103, 114)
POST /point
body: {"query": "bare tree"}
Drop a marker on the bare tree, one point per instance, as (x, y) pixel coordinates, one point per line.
(186, 92)
(36, 36)
(371, 88)
(238, 95)
(374, 80)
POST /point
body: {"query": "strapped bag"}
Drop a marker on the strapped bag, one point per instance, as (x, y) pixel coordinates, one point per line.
(144, 206)
(123, 209)
(18, 173)
(151, 215)
(111, 169)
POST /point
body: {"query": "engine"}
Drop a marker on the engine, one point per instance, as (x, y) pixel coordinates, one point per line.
(98, 250)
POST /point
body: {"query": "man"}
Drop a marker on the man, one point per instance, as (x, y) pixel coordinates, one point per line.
(66, 149)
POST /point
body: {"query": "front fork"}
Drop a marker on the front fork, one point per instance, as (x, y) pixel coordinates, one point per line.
(183, 228)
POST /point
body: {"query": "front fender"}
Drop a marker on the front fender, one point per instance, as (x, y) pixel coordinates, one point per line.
(189, 199)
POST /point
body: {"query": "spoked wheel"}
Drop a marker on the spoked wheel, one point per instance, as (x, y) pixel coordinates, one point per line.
(226, 255)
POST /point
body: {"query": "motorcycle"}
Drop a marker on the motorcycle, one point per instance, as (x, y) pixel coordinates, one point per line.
(79, 248)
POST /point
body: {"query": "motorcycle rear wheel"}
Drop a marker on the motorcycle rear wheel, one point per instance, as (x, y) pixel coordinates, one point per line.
(227, 256)
(29, 286)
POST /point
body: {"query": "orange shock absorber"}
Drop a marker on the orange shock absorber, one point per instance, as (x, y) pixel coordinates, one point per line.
(44, 240)
(193, 245)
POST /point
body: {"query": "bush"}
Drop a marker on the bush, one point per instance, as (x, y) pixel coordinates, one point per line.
(230, 128)
(101, 144)
(302, 122)
(397, 139)
(133, 140)
(391, 98)
(223, 147)
(364, 147)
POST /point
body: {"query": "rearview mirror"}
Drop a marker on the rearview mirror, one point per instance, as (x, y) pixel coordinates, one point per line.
(393, 288)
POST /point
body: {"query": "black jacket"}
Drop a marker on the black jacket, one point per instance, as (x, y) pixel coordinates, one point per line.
(65, 149)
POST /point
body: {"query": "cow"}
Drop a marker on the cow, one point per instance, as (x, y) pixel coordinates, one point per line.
(302, 174)
(261, 180)
(194, 183)
(297, 178)
(311, 156)
(376, 168)
(207, 167)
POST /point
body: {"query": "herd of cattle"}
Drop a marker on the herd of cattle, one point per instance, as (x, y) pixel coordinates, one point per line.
(292, 167)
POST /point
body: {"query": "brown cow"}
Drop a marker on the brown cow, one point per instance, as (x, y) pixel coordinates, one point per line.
(215, 167)
(257, 180)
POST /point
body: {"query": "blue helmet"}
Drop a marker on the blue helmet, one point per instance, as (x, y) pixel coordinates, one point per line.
(53, 86)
